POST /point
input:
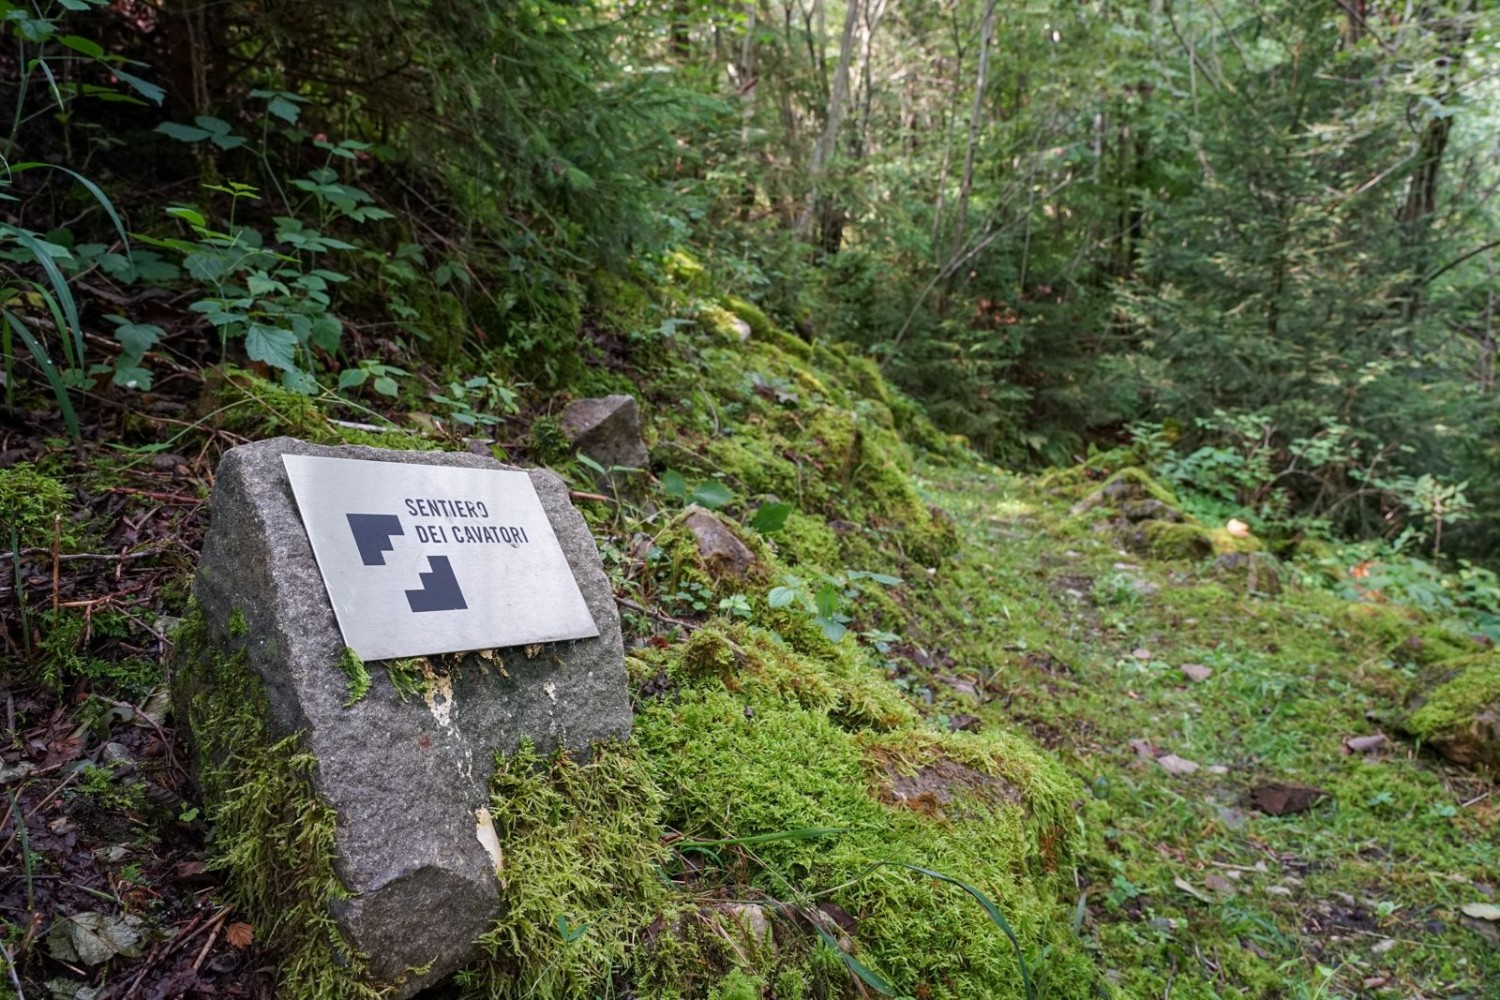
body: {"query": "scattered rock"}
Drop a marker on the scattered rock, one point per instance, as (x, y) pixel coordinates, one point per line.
(1168, 540)
(1176, 765)
(1196, 672)
(964, 723)
(1364, 744)
(607, 430)
(751, 920)
(721, 550)
(1149, 509)
(1275, 798)
(1454, 706)
(1255, 571)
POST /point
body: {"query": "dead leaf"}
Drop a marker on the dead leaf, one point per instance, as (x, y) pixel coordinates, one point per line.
(1141, 654)
(1196, 672)
(1364, 744)
(1217, 883)
(965, 723)
(95, 938)
(1144, 748)
(1174, 764)
(240, 935)
(1188, 888)
(1481, 911)
(1277, 799)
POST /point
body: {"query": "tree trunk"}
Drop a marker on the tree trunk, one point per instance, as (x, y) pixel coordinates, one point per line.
(838, 97)
(981, 82)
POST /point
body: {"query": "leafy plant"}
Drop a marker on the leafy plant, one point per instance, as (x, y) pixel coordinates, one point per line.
(711, 493)
(274, 301)
(827, 600)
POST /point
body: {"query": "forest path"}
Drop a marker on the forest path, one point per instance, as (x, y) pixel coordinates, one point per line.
(1180, 701)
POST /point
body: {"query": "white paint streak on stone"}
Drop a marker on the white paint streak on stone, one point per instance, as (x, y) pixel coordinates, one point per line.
(488, 838)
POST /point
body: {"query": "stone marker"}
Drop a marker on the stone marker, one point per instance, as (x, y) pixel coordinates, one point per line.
(608, 430)
(407, 779)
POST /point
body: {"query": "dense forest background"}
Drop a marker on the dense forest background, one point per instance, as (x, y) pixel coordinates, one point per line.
(1057, 554)
(1257, 238)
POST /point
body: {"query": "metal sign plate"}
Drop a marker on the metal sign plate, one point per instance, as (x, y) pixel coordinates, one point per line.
(422, 559)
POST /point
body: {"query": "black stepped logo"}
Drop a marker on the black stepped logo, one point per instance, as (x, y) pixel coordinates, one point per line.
(439, 591)
(372, 533)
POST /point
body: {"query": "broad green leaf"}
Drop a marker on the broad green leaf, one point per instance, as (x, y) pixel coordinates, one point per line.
(273, 346)
(673, 485)
(131, 377)
(781, 597)
(326, 331)
(145, 88)
(712, 494)
(827, 600)
(191, 216)
(770, 517)
(182, 133)
(835, 631)
(87, 46)
(386, 386)
(136, 338)
(350, 378)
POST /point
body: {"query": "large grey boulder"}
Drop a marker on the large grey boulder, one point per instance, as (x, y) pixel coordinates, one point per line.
(408, 779)
(606, 429)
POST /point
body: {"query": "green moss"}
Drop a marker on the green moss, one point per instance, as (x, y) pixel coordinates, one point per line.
(1459, 709)
(273, 837)
(808, 541)
(1170, 540)
(720, 323)
(238, 626)
(359, 678)
(685, 270)
(759, 323)
(581, 879)
(1405, 634)
(30, 503)
(748, 711)
(792, 345)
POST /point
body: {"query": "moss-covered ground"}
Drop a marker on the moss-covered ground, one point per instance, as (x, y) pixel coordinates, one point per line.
(951, 732)
(1186, 888)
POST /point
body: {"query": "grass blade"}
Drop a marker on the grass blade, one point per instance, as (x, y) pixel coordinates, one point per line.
(866, 975)
(91, 188)
(59, 284)
(48, 369)
(989, 907)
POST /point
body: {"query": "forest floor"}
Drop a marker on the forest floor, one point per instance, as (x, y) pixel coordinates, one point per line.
(1182, 702)
(1251, 823)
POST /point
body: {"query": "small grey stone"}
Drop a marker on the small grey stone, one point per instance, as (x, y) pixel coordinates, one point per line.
(407, 779)
(607, 430)
(720, 548)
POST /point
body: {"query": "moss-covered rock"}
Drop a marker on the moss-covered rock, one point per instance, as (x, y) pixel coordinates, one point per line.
(752, 738)
(273, 838)
(1406, 635)
(1169, 540)
(760, 324)
(1455, 707)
